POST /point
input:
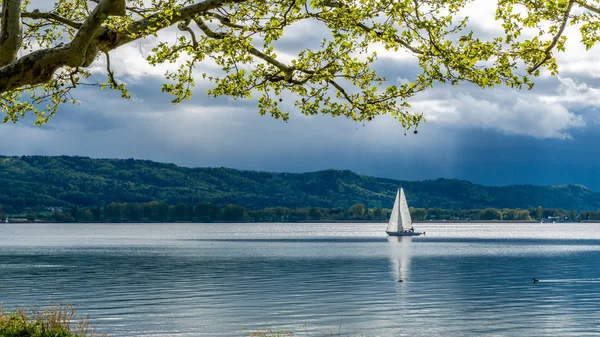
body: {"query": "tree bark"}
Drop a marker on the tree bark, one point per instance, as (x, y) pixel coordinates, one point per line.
(39, 66)
(11, 31)
(91, 38)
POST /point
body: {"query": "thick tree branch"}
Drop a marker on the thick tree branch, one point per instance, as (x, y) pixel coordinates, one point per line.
(90, 26)
(11, 32)
(39, 66)
(139, 11)
(37, 15)
(154, 22)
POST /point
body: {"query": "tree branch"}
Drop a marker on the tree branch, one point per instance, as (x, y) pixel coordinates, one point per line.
(368, 29)
(39, 66)
(588, 7)
(139, 11)
(252, 50)
(287, 70)
(548, 51)
(111, 74)
(342, 91)
(184, 27)
(396, 38)
(154, 22)
(292, 4)
(37, 15)
(90, 26)
(11, 32)
(226, 22)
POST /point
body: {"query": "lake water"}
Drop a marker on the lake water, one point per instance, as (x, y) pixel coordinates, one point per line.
(230, 279)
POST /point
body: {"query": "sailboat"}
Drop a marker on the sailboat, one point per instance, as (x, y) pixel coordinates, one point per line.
(400, 223)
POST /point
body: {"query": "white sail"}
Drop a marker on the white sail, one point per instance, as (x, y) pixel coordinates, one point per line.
(404, 211)
(400, 217)
(395, 217)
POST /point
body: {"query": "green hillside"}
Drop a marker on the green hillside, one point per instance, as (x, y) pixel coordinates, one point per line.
(34, 181)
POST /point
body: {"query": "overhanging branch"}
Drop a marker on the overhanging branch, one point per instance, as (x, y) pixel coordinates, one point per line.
(91, 37)
(588, 7)
(252, 50)
(548, 51)
(154, 22)
(39, 66)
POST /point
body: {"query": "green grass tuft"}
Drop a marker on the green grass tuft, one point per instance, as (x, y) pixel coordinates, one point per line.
(53, 321)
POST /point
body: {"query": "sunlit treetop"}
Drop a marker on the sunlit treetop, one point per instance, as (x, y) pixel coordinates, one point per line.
(45, 54)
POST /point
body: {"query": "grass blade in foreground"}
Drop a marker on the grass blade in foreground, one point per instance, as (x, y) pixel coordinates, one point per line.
(53, 321)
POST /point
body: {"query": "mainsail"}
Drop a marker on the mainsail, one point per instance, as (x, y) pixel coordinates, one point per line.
(400, 217)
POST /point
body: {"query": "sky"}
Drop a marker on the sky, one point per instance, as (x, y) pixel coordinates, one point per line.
(501, 136)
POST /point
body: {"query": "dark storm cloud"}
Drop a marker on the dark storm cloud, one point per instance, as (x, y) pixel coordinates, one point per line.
(501, 136)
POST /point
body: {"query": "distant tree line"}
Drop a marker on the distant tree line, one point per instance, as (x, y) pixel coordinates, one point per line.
(539, 213)
(159, 211)
(39, 182)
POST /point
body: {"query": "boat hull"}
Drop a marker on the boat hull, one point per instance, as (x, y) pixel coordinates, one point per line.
(407, 233)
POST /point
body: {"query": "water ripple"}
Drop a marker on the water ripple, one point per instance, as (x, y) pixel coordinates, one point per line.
(226, 280)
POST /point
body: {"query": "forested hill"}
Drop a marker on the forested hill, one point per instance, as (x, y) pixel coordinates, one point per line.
(34, 181)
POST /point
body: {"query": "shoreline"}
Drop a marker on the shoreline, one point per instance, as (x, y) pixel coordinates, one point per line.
(23, 221)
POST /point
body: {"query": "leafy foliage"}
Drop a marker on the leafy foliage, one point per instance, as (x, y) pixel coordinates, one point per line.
(336, 75)
(38, 181)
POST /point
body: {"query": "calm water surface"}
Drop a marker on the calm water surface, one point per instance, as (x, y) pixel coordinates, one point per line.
(229, 279)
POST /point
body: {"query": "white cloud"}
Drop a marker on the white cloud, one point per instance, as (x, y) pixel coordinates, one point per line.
(502, 110)
(129, 61)
(575, 92)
